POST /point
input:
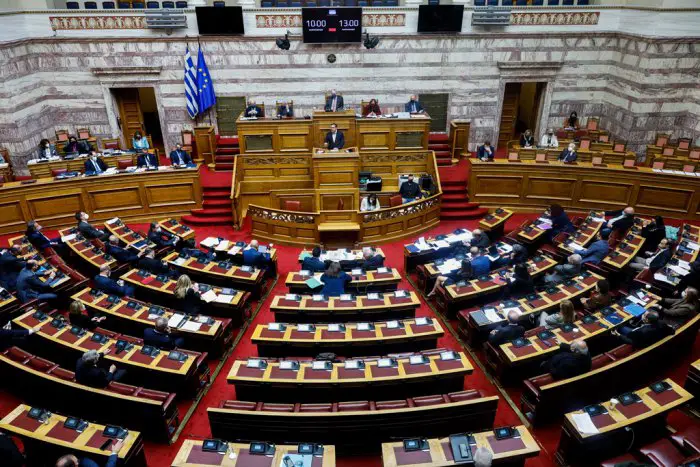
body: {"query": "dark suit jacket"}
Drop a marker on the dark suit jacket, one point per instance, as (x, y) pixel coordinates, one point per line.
(371, 108)
(506, 333)
(121, 254)
(622, 224)
(660, 260)
(29, 286)
(39, 240)
(646, 335)
(258, 110)
(481, 242)
(313, 264)
(91, 375)
(568, 156)
(10, 266)
(81, 320)
(143, 158)
(252, 257)
(338, 103)
(561, 223)
(154, 266)
(567, 364)
(481, 152)
(162, 239)
(89, 231)
(191, 302)
(180, 157)
(109, 285)
(286, 111)
(158, 339)
(90, 165)
(334, 286)
(80, 147)
(525, 141)
(409, 190)
(339, 140)
(409, 106)
(595, 253)
(376, 261)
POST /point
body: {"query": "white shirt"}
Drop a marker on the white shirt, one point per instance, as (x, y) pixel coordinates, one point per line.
(612, 221)
(365, 206)
(652, 258)
(96, 165)
(545, 141)
(334, 134)
(333, 106)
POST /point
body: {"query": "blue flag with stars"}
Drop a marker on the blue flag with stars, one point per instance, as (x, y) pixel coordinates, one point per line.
(205, 95)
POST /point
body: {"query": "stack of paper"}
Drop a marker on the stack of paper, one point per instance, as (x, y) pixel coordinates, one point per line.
(179, 261)
(209, 242)
(584, 424)
(235, 250)
(576, 247)
(175, 320)
(112, 221)
(491, 315)
(68, 238)
(223, 298)
(210, 296)
(223, 245)
(191, 326)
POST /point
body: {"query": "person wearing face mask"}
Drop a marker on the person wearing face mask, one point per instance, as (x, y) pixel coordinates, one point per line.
(372, 109)
(677, 310)
(414, 106)
(94, 165)
(139, 142)
(179, 156)
(549, 139)
(45, 150)
(654, 260)
(38, 239)
(285, 110)
(645, 332)
(334, 102)
(334, 138)
(105, 283)
(409, 190)
(75, 146)
(29, 287)
(572, 121)
(527, 140)
(253, 110)
(147, 160)
(486, 152)
(86, 229)
(162, 238)
(569, 154)
(11, 264)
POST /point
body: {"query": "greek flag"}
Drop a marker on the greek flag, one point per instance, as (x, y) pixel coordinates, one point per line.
(191, 85)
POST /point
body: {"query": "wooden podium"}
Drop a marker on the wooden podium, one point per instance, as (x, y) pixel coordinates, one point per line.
(345, 120)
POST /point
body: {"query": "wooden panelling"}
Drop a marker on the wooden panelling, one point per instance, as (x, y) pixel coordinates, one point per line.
(375, 140)
(598, 192)
(11, 214)
(661, 197)
(55, 204)
(503, 186)
(546, 188)
(113, 199)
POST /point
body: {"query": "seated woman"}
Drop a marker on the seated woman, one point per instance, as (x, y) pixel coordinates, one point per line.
(139, 142)
(521, 282)
(334, 280)
(78, 317)
(566, 315)
(188, 294)
(527, 140)
(560, 221)
(372, 109)
(370, 203)
(572, 121)
(676, 311)
(653, 233)
(600, 298)
(464, 273)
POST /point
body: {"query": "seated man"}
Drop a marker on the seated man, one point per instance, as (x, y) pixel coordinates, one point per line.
(653, 260)
(413, 105)
(95, 165)
(372, 109)
(621, 221)
(253, 110)
(147, 160)
(508, 331)
(38, 239)
(372, 259)
(10, 266)
(154, 266)
(162, 238)
(334, 138)
(409, 191)
(73, 146)
(179, 156)
(86, 229)
(161, 337)
(252, 257)
(481, 264)
(649, 331)
(29, 287)
(564, 271)
(103, 282)
(572, 360)
(479, 239)
(10, 337)
(285, 110)
(70, 460)
(313, 263)
(595, 253)
(549, 139)
(122, 255)
(334, 102)
(88, 373)
(485, 152)
(569, 154)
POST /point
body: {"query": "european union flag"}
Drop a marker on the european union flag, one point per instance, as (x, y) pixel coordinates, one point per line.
(205, 96)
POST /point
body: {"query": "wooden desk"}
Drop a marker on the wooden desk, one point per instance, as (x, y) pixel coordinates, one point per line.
(413, 259)
(360, 308)
(370, 281)
(494, 223)
(191, 455)
(348, 340)
(221, 273)
(667, 279)
(272, 135)
(131, 196)
(692, 382)
(91, 257)
(624, 252)
(347, 260)
(584, 234)
(647, 418)
(43, 169)
(174, 227)
(344, 119)
(127, 236)
(511, 451)
(371, 383)
(393, 133)
(46, 442)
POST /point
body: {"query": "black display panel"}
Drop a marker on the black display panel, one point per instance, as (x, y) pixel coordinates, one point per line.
(226, 20)
(331, 25)
(440, 18)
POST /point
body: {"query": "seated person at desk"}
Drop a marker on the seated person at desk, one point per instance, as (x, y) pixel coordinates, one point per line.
(676, 311)
(409, 191)
(595, 253)
(285, 110)
(160, 336)
(564, 271)
(600, 297)
(103, 282)
(569, 154)
(313, 263)
(10, 337)
(370, 203)
(70, 460)
(334, 138)
(572, 121)
(481, 264)
(654, 260)
(692, 279)
(464, 273)
(560, 220)
(653, 233)
(10, 266)
(572, 360)
(334, 102)
(188, 295)
(179, 156)
(45, 150)
(162, 238)
(621, 221)
(253, 257)
(139, 143)
(549, 139)
(566, 315)
(38, 239)
(122, 255)
(78, 316)
(485, 152)
(147, 160)
(94, 164)
(644, 333)
(372, 109)
(508, 331)
(88, 373)
(517, 256)
(29, 287)
(520, 282)
(154, 266)
(334, 280)
(527, 140)
(253, 110)
(413, 106)
(372, 259)
(73, 146)
(86, 229)
(479, 239)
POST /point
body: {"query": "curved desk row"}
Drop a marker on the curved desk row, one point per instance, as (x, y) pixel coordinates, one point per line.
(369, 281)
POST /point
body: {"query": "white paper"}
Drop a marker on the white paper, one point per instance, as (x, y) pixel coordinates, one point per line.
(346, 297)
(202, 319)
(290, 296)
(222, 246)
(382, 270)
(584, 424)
(384, 362)
(505, 247)
(273, 326)
(334, 327)
(179, 261)
(684, 264)
(356, 272)
(304, 327)
(392, 324)
(415, 359)
(175, 320)
(318, 298)
(692, 245)
(363, 326)
(372, 296)
(153, 317)
(235, 250)
(286, 365)
(441, 244)
(400, 294)
(68, 238)
(209, 296)
(304, 273)
(661, 277)
(209, 242)
(112, 221)
(318, 365)
(636, 300)
(678, 270)
(352, 364)
(191, 326)
(491, 315)
(422, 321)
(253, 363)
(449, 355)
(223, 298)
(576, 247)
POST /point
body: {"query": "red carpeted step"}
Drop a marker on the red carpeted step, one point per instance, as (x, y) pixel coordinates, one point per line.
(459, 205)
(227, 151)
(442, 154)
(211, 212)
(227, 140)
(475, 214)
(214, 193)
(223, 167)
(454, 197)
(224, 158)
(453, 188)
(209, 220)
(439, 147)
(438, 138)
(216, 203)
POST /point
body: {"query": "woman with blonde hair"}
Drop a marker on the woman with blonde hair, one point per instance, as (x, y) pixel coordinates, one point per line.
(77, 316)
(566, 315)
(187, 292)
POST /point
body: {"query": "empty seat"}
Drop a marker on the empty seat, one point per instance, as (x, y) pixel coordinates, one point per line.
(57, 172)
(395, 200)
(40, 364)
(425, 401)
(239, 405)
(121, 388)
(62, 373)
(72, 5)
(290, 205)
(154, 395)
(688, 438)
(542, 380)
(277, 407)
(353, 406)
(388, 405)
(599, 361)
(662, 453)
(618, 353)
(467, 395)
(124, 163)
(307, 408)
(18, 355)
(181, 4)
(91, 5)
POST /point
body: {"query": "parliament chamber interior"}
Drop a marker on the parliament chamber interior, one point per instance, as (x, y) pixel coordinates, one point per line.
(309, 233)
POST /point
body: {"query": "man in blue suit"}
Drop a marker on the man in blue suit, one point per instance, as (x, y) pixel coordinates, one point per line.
(413, 106)
(334, 102)
(253, 110)
(373, 261)
(252, 257)
(122, 255)
(108, 285)
(313, 263)
(160, 336)
(94, 165)
(486, 152)
(334, 138)
(595, 253)
(148, 160)
(29, 287)
(38, 239)
(654, 260)
(69, 460)
(481, 264)
(10, 266)
(180, 157)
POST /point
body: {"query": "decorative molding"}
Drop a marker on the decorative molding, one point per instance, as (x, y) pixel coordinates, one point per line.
(97, 22)
(529, 66)
(127, 71)
(384, 20)
(418, 157)
(559, 18)
(282, 216)
(286, 20)
(274, 160)
(401, 211)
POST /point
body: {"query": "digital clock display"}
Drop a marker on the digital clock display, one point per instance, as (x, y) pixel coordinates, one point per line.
(331, 25)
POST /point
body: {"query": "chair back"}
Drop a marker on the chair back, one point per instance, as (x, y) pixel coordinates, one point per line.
(395, 200)
(57, 172)
(694, 154)
(585, 144)
(110, 143)
(592, 123)
(661, 139)
(668, 151)
(83, 133)
(291, 205)
(689, 168)
(62, 136)
(540, 156)
(597, 160)
(187, 138)
(124, 163)
(619, 146)
(658, 164)
(683, 143)
(603, 138)
(513, 156)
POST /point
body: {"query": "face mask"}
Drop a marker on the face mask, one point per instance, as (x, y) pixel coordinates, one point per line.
(47, 145)
(683, 294)
(86, 216)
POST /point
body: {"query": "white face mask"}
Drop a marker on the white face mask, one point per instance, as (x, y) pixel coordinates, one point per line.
(683, 294)
(86, 216)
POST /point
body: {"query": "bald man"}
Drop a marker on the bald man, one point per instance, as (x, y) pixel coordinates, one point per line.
(104, 282)
(161, 337)
(479, 239)
(572, 360)
(252, 257)
(413, 105)
(620, 221)
(508, 331)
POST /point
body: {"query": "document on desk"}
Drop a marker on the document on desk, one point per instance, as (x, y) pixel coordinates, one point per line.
(175, 320)
(68, 238)
(576, 247)
(223, 245)
(223, 298)
(584, 424)
(112, 221)
(663, 278)
(191, 326)
(441, 244)
(235, 250)
(209, 242)
(692, 245)
(179, 261)
(491, 315)
(679, 270)
(210, 296)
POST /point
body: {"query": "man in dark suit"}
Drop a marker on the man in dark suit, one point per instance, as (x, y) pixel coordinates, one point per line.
(160, 336)
(569, 154)
(70, 460)
(10, 337)
(253, 110)
(38, 239)
(508, 331)
(648, 332)
(334, 138)
(285, 110)
(409, 190)
(479, 239)
(334, 102)
(122, 255)
(95, 165)
(162, 238)
(147, 160)
(155, 266)
(73, 146)
(564, 271)
(654, 260)
(481, 264)
(88, 373)
(103, 282)
(595, 253)
(373, 261)
(486, 152)
(87, 230)
(621, 221)
(252, 257)
(572, 360)
(313, 263)
(413, 106)
(179, 156)
(29, 287)
(10, 266)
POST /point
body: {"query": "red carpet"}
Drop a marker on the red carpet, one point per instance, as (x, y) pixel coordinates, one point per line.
(216, 200)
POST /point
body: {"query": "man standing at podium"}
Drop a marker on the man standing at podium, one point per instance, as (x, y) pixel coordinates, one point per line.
(334, 138)
(334, 102)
